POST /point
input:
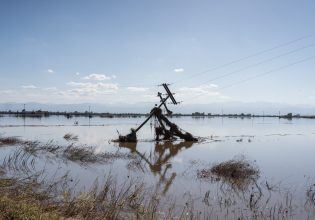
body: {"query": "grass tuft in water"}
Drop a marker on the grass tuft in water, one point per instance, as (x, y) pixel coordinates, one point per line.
(71, 137)
(9, 141)
(236, 169)
(239, 173)
(86, 155)
(82, 154)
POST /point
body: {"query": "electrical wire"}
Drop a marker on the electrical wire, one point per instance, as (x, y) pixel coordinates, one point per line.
(244, 68)
(261, 62)
(246, 57)
(261, 74)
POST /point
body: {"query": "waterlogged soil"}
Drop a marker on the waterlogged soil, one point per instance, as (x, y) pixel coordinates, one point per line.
(279, 154)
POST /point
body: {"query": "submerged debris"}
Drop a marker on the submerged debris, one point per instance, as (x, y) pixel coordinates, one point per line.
(131, 137)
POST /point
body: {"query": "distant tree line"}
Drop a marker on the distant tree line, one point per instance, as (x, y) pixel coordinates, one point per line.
(40, 113)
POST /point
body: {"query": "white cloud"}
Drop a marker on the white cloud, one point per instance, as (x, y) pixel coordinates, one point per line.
(200, 94)
(209, 86)
(29, 87)
(137, 89)
(97, 77)
(179, 70)
(114, 76)
(203, 89)
(213, 86)
(51, 89)
(92, 88)
(149, 98)
(77, 84)
(77, 73)
(50, 71)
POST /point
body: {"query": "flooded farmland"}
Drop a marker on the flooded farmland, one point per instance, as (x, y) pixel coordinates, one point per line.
(281, 153)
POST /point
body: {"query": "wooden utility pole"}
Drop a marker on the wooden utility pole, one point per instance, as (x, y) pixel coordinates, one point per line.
(162, 129)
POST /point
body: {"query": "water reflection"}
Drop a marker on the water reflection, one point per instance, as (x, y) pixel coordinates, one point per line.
(231, 193)
(163, 152)
(158, 160)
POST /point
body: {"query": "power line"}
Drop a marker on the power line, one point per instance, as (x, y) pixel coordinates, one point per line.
(270, 71)
(261, 74)
(246, 57)
(236, 61)
(261, 62)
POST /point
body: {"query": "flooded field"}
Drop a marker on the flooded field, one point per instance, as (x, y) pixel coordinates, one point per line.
(281, 153)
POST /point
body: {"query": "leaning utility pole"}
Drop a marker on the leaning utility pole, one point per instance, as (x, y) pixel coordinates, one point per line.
(166, 130)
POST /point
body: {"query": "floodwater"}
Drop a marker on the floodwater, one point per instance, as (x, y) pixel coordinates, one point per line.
(283, 150)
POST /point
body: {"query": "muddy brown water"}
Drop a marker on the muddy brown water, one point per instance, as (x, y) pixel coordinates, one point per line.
(283, 151)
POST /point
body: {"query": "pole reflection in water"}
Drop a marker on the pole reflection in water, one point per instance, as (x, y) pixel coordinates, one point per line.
(229, 192)
(158, 161)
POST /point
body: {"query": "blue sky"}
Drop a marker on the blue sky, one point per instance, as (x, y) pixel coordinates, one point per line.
(117, 51)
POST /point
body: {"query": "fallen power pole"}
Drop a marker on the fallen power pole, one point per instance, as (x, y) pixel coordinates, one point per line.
(165, 130)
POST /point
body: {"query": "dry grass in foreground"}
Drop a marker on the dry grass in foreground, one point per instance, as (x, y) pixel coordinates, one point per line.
(31, 198)
(21, 210)
(2, 172)
(21, 199)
